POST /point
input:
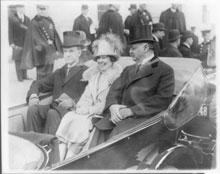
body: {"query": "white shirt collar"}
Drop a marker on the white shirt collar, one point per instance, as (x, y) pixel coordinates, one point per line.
(155, 37)
(187, 45)
(173, 10)
(147, 59)
(70, 66)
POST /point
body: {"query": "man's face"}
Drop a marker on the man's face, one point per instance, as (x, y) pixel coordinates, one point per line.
(206, 37)
(43, 11)
(160, 34)
(189, 41)
(132, 10)
(137, 51)
(71, 55)
(85, 12)
(104, 62)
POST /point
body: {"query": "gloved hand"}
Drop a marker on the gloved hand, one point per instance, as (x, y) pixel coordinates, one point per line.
(33, 101)
(82, 110)
(66, 103)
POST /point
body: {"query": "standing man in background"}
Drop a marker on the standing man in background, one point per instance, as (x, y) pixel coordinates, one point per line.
(173, 18)
(174, 41)
(141, 17)
(18, 24)
(158, 34)
(111, 22)
(204, 47)
(83, 23)
(42, 44)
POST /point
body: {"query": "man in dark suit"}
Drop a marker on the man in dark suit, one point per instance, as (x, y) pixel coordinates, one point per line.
(18, 24)
(111, 22)
(83, 23)
(158, 34)
(143, 89)
(172, 49)
(185, 47)
(65, 84)
(173, 18)
(42, 44)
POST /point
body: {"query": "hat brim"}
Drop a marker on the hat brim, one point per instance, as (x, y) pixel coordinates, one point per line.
(175, 38)
(112, 55)
(87, 42)
(160, 29)
(141, 41)
(69, 46)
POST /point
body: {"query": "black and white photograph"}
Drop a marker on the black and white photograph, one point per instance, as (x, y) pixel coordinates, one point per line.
(120, 86)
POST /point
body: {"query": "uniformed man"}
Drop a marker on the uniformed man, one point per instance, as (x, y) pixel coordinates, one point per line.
(42, 44)
(18, 24)
(204, 47)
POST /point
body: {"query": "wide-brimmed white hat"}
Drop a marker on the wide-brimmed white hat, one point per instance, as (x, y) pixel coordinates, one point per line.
(108, 45)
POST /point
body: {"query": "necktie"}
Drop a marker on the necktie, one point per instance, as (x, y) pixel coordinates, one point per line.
(68, 70)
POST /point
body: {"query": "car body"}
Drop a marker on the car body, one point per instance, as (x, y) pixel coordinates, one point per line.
(166, 140)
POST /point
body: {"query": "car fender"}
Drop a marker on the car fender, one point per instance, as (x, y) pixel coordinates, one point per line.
(178, 156)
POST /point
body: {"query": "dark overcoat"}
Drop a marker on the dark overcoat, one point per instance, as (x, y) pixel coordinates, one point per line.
(17, 30)
(58, 83)
(146, 92)
(187, 52)
(82, 24)
(170, 51)
(141, 18)
(111, 21)
(42, 43)
(174, 20)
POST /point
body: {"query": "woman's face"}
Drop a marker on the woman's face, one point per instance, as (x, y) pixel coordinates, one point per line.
(104, 62)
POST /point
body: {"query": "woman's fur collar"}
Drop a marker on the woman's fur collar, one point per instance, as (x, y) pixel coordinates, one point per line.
(112, 73)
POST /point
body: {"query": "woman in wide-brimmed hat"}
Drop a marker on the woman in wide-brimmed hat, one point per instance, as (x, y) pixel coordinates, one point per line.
(74, 130)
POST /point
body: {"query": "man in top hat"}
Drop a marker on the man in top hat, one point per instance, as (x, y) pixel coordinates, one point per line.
(42, 44)
(174, 42)
(18, 24)
(83, 22)
(65, 84)
(143, 89)
(185, 47)
(158, 34)
(204, 47)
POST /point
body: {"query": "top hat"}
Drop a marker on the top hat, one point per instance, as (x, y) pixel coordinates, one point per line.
(72, 38)
(187, 34)
(132, 6)
(82, 35)
(140, 34)
(84, 7)
(174, 35)
(159, 26)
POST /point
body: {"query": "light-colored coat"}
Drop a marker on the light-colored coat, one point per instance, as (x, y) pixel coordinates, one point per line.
(75, 127)
(95, 100)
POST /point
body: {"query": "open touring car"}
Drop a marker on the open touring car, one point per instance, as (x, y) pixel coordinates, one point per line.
(181, 137)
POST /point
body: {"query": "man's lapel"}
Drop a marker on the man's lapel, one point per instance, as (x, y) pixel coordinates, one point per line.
(145, 71)
(72, 72)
